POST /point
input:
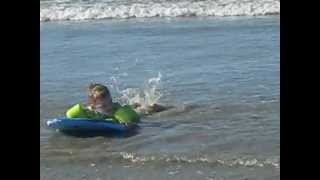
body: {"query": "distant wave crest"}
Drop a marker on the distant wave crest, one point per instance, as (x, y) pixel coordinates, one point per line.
(102, 9)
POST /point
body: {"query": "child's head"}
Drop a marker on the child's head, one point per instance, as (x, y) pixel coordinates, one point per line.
(99, 93)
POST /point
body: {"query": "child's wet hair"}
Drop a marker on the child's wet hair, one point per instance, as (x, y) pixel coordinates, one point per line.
(102, 90)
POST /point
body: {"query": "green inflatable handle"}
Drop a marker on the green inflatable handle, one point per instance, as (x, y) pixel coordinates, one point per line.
(78, 111)
(121, 114)
(126, 114)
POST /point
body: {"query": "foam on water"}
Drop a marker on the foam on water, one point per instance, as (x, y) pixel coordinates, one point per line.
(237, 161)
(103, 9)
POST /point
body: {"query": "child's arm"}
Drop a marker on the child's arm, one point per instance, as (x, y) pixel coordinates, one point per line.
(158, 108)
(135, 105)
(151, 108)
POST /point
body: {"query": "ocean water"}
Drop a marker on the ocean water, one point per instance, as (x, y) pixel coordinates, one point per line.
(220, 74)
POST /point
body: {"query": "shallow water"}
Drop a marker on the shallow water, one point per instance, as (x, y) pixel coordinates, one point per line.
(220, 74)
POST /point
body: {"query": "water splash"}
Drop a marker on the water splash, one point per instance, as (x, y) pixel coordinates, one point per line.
(146, 95)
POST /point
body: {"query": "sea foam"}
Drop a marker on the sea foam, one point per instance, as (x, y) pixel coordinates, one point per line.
(102, 9)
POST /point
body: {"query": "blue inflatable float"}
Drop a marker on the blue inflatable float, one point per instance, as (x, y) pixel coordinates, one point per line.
(83, 124)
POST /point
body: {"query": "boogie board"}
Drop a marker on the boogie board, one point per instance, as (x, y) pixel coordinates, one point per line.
(83, 124)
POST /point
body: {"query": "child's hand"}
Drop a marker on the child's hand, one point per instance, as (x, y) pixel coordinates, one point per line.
(157, 108)
(136, 105)
(90, 108)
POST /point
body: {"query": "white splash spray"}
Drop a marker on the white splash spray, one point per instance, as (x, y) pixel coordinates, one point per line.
(148, 94)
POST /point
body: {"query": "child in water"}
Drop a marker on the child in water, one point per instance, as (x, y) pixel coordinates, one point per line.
(100, 100)
(101, 106)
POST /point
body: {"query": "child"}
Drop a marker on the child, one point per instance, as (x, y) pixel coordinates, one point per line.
(99, 99)
(101, 106)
